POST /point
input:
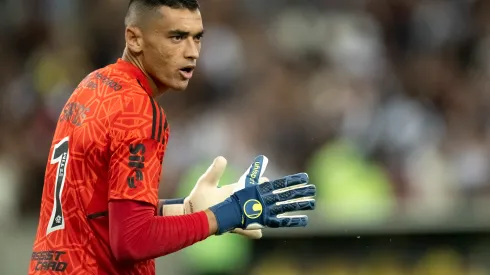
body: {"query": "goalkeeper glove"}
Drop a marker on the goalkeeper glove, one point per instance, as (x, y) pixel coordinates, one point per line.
(265, 205)
(206, 192)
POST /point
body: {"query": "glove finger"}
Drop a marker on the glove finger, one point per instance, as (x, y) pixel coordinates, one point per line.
(290, 194)
(288, 221)
(254, 172)
(285, 182)
(292, 206)
(251, 234)
(214, 172)
(228, 190)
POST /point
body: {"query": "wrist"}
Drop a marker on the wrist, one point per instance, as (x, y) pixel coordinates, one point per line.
(228, 215)
(171, 207)
(212, 222)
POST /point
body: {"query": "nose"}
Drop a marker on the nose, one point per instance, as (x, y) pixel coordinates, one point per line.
(192, 50)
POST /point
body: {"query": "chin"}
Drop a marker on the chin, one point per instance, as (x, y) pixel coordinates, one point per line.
(180, 86)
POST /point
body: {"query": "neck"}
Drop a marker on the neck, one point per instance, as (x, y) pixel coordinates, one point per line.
(129, 57)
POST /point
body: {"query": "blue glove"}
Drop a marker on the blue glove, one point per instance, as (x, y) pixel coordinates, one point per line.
(264, 205)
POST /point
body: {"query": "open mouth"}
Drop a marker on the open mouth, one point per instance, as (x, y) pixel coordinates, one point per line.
(186, 71)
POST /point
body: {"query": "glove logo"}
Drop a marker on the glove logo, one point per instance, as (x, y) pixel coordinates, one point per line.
(254, 172)
(252, 209)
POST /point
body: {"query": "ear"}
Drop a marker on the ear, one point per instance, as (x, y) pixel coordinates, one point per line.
(134, 39)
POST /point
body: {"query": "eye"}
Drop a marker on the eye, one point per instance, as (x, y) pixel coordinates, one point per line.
(177, 38)
(198, 37)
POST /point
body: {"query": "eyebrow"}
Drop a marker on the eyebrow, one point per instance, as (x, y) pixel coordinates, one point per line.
(184, 33)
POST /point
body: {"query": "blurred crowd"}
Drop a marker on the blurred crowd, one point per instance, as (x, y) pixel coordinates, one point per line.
(437, 261)
(383, 102)
(429, 254)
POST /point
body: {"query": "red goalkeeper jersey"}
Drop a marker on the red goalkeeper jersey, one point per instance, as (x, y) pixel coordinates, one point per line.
(108, 145)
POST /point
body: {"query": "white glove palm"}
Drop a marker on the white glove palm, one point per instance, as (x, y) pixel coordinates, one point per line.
(206, 192)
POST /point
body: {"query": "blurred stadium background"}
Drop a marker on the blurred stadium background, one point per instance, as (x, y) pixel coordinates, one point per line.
(383, 102)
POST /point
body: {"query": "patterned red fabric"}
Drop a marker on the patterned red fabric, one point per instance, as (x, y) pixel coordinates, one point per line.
(109, 144)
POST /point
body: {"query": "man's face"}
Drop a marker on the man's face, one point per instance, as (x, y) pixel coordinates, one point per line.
(172, 42)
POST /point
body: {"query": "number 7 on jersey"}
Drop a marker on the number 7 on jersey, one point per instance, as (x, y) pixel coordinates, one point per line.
(59, 157)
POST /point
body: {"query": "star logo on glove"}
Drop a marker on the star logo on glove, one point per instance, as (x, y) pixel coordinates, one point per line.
(252, 209)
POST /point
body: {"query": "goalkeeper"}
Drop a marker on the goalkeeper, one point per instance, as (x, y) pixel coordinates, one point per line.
(100, 195)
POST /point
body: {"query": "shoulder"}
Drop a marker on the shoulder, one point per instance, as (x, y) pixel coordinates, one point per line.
(140, 115)
(137, 114)
(112, 79)
(132, 111)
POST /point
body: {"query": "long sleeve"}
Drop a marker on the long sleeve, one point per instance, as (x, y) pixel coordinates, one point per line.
(136, 234)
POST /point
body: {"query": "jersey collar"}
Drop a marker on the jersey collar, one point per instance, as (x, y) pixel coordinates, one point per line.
(135, 72)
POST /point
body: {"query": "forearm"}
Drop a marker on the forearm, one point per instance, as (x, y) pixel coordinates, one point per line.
(136, 234)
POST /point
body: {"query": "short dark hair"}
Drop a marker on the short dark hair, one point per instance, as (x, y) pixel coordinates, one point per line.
(174, 4)
(142, 6)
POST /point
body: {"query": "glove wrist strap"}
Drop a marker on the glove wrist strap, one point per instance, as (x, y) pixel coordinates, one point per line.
(228, 215)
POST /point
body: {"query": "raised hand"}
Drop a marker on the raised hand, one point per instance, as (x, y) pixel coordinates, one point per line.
(265, 205)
